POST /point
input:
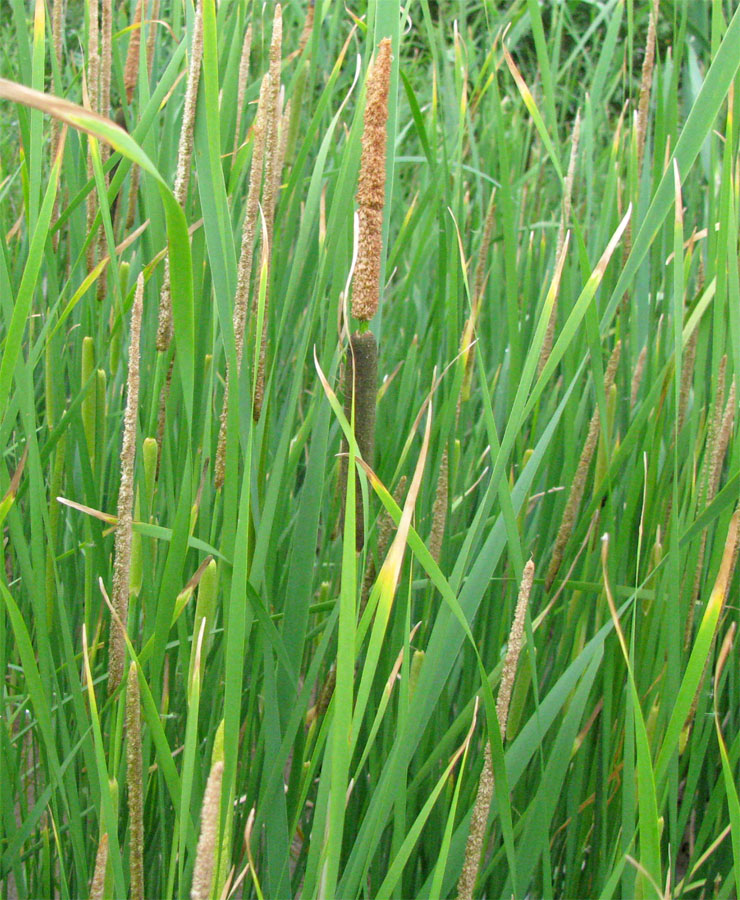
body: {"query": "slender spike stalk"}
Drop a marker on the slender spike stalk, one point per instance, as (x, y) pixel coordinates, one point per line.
(479, 820)
(122, 565)
(439, 510)
(564, 220)
(93, 90)
(135, 786)
(272, 150)
(205, 859)
(244, 271)
(184, 156)
(243, 79)
(131, 69)
(579, 480)
(720, 433)
(637, 376)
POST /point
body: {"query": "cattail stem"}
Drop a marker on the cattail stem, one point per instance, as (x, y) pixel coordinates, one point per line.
(361, 384)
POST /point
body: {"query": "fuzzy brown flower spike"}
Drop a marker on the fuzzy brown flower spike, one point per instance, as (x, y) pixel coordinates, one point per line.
(371, 187)
(479, 819)
(122, 565)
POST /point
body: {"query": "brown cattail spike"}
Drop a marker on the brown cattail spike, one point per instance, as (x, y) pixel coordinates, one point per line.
(122, 565)
(361, 382)
(371, 188)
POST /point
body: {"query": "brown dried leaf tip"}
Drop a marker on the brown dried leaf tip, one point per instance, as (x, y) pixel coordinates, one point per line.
(371, 187)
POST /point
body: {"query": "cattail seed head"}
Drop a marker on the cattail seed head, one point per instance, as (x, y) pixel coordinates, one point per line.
(371, 187)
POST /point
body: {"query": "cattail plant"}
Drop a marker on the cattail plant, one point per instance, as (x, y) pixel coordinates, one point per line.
(579, 480)
(361, 369)
(135, 786)
(182, 178)
(122, 565)
(482, 807)
(205, 859)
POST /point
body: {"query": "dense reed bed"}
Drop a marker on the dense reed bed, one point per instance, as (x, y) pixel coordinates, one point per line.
(363, 363)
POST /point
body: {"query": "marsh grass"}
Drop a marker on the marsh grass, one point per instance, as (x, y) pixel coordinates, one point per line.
(558, 180)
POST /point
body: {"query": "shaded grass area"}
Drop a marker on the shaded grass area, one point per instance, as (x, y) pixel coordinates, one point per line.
(344, 698)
